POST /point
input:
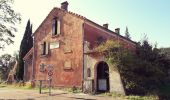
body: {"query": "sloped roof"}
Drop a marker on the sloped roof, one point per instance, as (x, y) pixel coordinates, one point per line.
(56, 8)
(110, 31)
(84, 18)
(28, 54)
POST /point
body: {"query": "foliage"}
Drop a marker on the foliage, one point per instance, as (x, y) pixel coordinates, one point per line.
(26, 45)
(6, 64)
(130, 97)
(16, 55)
(109, 49)
(142, 71)
(166, 52)
(8, 20)
(127, 35)
(133, 97)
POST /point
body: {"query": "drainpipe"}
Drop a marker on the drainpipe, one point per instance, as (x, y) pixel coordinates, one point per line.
(83, 55)
(33, 58)
(24, 72)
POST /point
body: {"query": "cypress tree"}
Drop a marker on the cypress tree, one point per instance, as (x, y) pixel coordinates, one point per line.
(26, 45)
(127, 35)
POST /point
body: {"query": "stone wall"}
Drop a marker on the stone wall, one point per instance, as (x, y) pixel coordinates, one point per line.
(28, 69)
(91, 61)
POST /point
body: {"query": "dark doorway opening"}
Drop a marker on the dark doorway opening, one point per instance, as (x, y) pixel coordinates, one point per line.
(103, 77)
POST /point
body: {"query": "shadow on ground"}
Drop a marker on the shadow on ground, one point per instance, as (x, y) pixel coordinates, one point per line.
(81, 98)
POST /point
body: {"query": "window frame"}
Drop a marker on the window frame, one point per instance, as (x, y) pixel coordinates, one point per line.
(44, 48)
(56, 26)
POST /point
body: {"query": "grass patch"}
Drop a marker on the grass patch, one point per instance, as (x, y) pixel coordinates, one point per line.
(2, 85)
(71, 90)
(131, 97)
(15, 86)
(112, 94)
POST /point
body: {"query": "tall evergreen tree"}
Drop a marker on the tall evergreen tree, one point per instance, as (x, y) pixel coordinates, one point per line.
(26, 45)
(127, 35)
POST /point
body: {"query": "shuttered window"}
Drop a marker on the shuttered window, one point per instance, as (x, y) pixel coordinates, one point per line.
(56, 26)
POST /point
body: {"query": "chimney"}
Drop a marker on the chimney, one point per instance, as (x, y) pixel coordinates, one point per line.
(106, 25)
(117, 30)
(64, 5)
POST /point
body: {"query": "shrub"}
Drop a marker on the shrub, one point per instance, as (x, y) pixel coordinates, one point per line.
(142, 71)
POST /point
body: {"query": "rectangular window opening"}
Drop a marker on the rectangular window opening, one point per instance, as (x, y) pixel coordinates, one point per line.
(44, 47)
(56, 26)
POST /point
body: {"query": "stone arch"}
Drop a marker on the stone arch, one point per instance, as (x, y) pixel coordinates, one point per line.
(101, 77)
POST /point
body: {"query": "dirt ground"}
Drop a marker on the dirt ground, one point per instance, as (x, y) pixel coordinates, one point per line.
(25, 94)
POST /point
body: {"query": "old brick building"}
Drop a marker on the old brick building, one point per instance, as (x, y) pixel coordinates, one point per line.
(65, 41)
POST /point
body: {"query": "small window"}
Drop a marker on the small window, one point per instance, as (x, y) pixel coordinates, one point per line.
(88, 72)
(99, 40)
(44, 48)
(56, 27)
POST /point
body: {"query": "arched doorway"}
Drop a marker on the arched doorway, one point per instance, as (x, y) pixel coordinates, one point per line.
(102, 77)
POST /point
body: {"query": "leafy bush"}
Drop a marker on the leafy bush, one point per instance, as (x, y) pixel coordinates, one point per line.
(142, 71)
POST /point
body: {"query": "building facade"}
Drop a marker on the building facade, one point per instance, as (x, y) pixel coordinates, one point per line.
(65, 41)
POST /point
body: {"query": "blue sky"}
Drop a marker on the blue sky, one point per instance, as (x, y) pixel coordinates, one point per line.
(151, 17)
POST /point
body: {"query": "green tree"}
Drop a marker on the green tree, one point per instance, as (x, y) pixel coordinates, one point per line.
(166, 52)
(6, 64)
(16, 55)
(127, 35)
(142, 71)
(26, 45)
(8, 20)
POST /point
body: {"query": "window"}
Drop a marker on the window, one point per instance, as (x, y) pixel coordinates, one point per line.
(88, 72)
(56, 27)
(99, 40)
(54, 45)
(44, 48)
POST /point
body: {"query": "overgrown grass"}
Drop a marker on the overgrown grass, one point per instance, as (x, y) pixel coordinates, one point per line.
(16, 86)
(112, 94)
(164, 92)
(72, 90)
(165, 89)
(28, 86)
(131, 97)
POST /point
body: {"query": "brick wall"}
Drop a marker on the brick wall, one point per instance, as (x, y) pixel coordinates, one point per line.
(70, 38)
(28, 69)
(92, 35)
